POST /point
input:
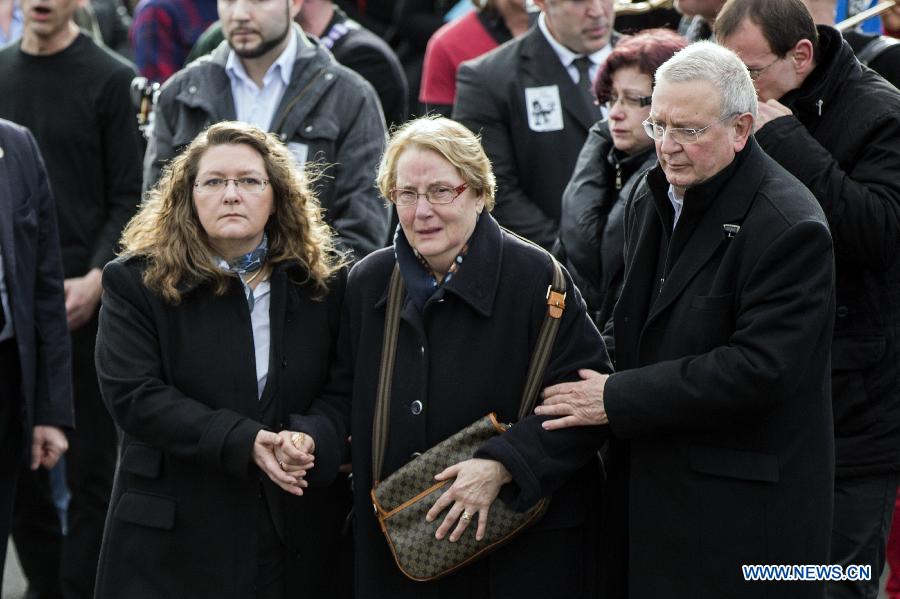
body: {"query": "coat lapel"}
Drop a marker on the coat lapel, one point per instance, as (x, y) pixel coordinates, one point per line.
(730, 206)
(542, 67)
(6, 212)
(639, 282)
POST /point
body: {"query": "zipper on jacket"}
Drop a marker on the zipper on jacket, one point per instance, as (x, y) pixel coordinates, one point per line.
(618, 176)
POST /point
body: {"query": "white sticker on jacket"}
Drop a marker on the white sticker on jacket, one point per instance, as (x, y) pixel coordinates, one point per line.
(544, 108)
(300, 151)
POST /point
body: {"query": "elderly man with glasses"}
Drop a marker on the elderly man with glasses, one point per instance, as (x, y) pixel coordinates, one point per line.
(835, 125)
(719, 408)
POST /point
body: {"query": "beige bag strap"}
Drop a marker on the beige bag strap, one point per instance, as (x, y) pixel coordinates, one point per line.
(386, 373)
(556, 304)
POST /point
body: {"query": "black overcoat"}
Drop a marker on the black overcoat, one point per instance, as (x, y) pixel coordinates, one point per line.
(722, 390)
(843, 142)
(466, 355)
(180, 382)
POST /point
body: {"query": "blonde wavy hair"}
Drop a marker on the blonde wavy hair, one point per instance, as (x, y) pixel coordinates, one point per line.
(454, 142)
(167, 231)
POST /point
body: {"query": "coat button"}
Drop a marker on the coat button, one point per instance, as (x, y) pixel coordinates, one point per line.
(192, 89)
(415, 454)
(329, 76)
(843, 311)
(421, 350)
(308, 129)
(416, 408)
(283, 137)
(284, 363)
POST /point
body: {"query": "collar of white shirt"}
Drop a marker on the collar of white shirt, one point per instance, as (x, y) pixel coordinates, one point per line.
(677, 204)
(282, 67)
(566, 56)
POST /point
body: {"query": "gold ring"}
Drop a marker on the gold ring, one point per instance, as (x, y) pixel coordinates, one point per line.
(466, 516)
(297, 439)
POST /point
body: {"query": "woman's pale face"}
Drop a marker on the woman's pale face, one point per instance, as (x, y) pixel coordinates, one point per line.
(626, 115)
(234, 219)
(437, 231)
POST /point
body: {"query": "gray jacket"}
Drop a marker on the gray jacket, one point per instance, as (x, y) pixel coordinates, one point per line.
(328, 112)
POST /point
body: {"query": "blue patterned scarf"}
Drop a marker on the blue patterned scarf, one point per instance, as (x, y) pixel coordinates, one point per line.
(250, 262)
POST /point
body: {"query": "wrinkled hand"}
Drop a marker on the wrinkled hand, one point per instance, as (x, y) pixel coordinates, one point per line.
(768, 111)
(82, 298)
(476, 486)
(264, 456)
(579, 403)
(48, 443)
(295, 453)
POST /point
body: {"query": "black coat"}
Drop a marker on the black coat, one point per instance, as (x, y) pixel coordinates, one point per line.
(720, 406)
(180, 381)
(465, 356)
(32, 270)
(364, 52)
(591, 230)
(844, 144)
(532, 167)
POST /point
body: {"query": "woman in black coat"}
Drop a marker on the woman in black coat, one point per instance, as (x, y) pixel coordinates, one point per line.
(217, 325)
(475, 300)
(616, 153)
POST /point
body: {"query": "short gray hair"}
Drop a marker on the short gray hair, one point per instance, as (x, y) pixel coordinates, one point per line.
(707, 61)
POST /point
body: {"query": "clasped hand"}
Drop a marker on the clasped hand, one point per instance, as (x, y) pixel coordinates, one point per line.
(476, 486)
(285, 457)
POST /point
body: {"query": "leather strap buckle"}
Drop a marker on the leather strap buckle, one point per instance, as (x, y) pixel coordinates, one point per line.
(556, 303)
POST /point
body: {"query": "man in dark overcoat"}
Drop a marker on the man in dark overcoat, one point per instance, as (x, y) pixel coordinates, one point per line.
(720, 407)
(35, 365)
(531, 102)
(835, 125)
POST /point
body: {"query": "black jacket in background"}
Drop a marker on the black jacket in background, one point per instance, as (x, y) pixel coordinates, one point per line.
(532, 163)
(364, 52)
(591, 230)
(843, 143)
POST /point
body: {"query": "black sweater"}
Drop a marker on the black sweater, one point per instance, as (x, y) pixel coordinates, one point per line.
(77, 104)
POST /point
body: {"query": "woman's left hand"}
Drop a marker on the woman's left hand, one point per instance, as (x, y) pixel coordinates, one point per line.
(476, 486)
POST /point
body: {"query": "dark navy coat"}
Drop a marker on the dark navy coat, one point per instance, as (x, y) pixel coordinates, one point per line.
(466, 355)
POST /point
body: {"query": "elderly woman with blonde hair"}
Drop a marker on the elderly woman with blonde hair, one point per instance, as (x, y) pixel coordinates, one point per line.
(474, 300)
(217, 326)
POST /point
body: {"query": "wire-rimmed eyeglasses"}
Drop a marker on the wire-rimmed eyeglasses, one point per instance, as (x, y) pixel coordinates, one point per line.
(680, 135)
(435, 194)
(213, 185)
(755, 73)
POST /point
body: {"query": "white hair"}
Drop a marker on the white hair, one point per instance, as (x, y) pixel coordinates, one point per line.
(707, 61)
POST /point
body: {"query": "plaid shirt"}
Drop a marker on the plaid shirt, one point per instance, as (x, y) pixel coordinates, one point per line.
(164, 31)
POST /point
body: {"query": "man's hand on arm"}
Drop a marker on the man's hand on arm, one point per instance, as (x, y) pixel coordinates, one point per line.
(580, 403)
(48, 443)
(82, 298)
(769, 111)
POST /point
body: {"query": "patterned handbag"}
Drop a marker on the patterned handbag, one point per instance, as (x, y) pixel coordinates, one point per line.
(403, 498)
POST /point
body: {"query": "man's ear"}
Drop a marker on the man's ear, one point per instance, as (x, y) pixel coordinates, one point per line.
(743, 127)
(802, 56)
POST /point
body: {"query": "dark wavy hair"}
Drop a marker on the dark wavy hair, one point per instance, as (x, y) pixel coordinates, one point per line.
(646, 50)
